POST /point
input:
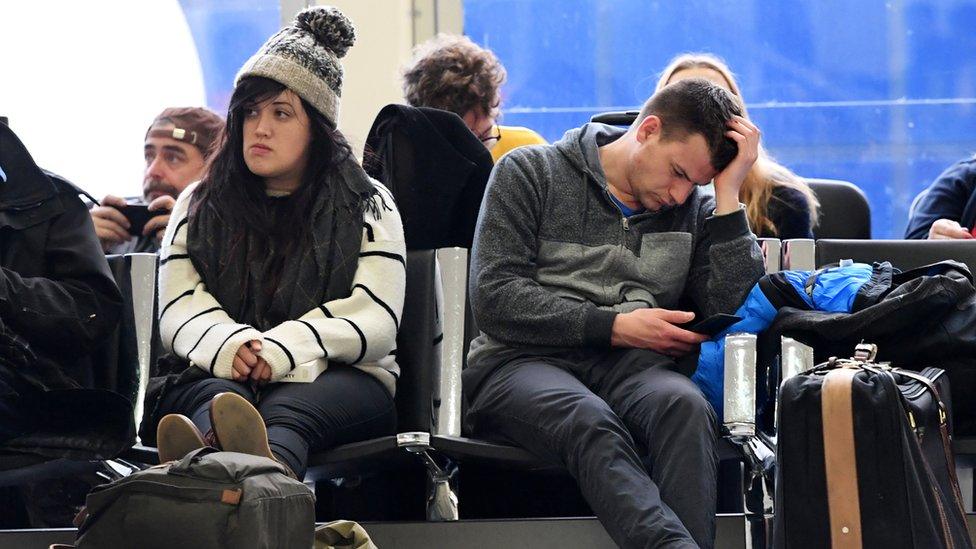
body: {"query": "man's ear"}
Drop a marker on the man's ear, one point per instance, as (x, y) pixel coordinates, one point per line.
(648, 127)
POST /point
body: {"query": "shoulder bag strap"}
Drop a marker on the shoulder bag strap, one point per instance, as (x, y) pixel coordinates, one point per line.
(840, 460)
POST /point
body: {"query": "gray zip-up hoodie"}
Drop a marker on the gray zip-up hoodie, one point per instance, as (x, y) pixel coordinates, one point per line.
(554, 259)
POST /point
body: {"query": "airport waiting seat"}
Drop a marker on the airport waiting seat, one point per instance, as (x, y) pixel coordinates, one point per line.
(429, 394)
(844, 210)
(431, 346)
(418, 354)
(616, 118)
(417, 344)
(748, 453)
(806, 254)
(904, 254)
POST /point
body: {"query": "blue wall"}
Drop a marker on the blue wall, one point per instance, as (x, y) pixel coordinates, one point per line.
(227, 33)
(882, 94)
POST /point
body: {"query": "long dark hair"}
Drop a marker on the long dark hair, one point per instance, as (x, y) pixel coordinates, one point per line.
(237, 196)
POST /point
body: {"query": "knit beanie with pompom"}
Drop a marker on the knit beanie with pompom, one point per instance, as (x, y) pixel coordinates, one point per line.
(304, 56)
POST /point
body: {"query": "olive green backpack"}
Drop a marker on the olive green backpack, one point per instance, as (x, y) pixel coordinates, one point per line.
(208, 499)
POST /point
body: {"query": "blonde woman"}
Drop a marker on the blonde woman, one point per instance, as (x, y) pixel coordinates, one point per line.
(779, 203)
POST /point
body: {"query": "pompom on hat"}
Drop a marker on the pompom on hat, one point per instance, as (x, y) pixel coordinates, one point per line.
(304, 56)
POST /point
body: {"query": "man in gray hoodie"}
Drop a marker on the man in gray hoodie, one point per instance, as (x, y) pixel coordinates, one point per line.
(585, 252)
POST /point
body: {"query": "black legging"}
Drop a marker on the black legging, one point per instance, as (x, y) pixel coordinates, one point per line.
(342, 405)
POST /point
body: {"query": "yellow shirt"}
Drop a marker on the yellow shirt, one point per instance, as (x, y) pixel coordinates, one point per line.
(513, 137)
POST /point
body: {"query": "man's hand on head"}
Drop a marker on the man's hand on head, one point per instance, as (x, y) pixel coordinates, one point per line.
(156, 226)
(947, 229)
(111, 226)
(655, 329)
(730, 180)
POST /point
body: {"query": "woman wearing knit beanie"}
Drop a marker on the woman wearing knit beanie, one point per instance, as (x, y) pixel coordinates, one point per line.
(286, 260)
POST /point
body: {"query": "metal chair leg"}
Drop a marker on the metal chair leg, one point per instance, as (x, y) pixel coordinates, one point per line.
(757, 489)
(442, 501)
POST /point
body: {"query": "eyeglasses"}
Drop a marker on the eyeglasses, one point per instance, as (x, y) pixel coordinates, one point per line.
(492, 136)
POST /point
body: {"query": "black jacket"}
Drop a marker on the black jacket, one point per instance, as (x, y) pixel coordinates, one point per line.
(56, 293)
(789, 211)
(919, 318)
(951, 196)
(437, 170)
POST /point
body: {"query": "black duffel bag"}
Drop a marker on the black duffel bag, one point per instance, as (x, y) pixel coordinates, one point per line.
(864, 459)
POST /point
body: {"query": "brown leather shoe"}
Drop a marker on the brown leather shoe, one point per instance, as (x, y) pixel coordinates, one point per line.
(238, 426)
(176, 436)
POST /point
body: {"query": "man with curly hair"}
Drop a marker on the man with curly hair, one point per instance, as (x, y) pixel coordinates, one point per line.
(452, 73)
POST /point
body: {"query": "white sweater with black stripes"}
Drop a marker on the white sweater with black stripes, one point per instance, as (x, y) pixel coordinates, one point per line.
(359, 330)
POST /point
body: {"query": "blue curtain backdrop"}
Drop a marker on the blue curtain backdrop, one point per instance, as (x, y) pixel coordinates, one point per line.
(882, 94)
(227, 33)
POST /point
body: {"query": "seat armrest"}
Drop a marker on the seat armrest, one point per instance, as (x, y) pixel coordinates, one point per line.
(452, 294)
(142, 273)
(799, 254)
(772, 250)
(795, 357)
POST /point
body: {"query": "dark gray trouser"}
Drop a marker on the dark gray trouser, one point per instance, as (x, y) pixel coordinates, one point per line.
(342, 405)
(598, 415)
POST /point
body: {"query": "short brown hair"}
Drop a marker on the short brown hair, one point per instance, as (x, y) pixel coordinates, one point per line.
(766, 173)
(452, 73)
(695, 106)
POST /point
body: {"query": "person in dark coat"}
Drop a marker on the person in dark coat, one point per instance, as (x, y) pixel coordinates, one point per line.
(58, 300)
(946, 210)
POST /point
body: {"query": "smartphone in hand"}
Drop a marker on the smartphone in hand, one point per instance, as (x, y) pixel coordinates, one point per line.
(712, 325)
(138, 215)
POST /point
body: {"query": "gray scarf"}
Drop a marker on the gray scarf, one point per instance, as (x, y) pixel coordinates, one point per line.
(236, 267)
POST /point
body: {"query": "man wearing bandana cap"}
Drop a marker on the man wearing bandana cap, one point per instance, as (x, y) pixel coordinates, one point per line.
(177, 146)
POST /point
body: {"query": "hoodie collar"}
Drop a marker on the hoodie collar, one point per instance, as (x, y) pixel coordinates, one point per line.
(581, 146)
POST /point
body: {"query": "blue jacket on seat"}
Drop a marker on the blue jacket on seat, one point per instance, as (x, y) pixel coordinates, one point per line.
(831, 290)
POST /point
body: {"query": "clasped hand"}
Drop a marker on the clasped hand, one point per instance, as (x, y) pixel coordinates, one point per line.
(249, 365)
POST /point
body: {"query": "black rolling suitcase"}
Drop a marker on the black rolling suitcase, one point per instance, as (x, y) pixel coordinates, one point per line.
(864, 459)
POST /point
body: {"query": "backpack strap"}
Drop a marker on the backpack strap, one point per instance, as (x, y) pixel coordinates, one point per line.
(840, 460)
